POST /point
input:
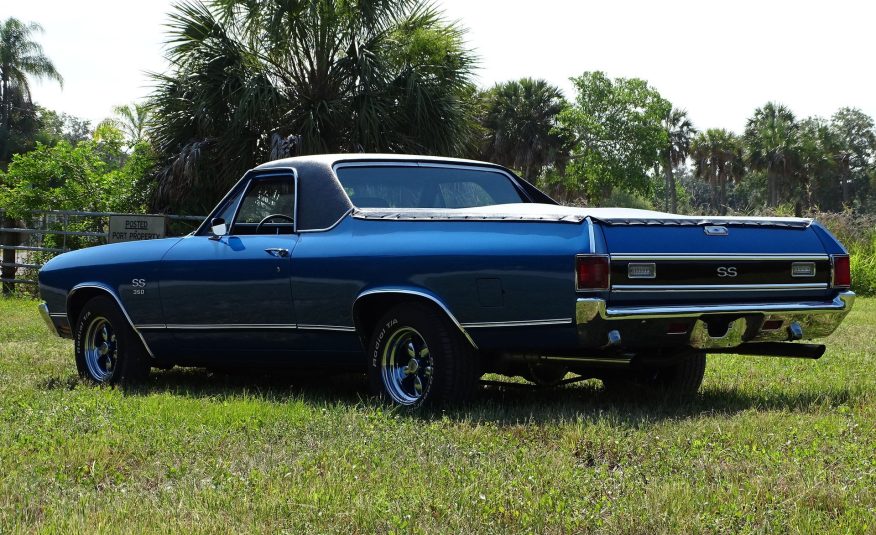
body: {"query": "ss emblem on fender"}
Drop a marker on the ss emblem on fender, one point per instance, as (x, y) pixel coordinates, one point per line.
(139, 286)
(727, 271)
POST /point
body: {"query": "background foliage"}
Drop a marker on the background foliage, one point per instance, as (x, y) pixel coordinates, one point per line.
(92, 175)
(252, 81)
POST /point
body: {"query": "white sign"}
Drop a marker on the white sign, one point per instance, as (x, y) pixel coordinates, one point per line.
(135, 227)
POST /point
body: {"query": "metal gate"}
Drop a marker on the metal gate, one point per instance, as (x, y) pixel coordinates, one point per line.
(25, 248)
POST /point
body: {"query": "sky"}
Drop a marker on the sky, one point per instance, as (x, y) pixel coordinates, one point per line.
(718, 59)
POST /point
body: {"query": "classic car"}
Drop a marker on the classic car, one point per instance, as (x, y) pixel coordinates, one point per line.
(426, 273)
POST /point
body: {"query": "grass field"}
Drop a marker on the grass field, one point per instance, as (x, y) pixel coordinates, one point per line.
(769, 445)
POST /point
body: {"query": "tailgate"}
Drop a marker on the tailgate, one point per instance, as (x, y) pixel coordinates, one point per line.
(708, 263)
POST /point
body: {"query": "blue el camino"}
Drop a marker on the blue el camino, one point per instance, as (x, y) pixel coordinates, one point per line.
(429, 272)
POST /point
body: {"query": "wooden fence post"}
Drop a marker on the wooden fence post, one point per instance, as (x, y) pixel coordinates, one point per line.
(9, 239)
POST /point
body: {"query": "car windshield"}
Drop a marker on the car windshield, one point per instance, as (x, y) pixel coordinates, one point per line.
(426, 187)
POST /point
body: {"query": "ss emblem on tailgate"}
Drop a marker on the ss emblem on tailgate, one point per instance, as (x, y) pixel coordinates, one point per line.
(727, 271)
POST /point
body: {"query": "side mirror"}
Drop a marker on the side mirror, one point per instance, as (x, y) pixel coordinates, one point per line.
(218, 228)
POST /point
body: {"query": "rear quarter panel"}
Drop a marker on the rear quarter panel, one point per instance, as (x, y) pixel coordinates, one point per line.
(484, 271)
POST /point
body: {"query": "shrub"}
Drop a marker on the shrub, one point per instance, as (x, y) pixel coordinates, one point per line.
(858, 233)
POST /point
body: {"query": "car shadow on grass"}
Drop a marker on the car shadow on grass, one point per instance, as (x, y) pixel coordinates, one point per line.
(502, 405)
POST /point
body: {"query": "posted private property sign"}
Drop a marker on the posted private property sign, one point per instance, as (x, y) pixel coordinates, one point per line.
(135, 227)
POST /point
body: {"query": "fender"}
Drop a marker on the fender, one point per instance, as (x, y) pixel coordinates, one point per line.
(109, 291)
(419, 292)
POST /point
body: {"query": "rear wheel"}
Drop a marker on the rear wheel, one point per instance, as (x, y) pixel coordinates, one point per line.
(107, 348)
(683, 378)
(418, 358)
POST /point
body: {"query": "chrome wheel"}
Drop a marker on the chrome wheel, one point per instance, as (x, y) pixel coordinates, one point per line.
(101, 349)
(406, 366)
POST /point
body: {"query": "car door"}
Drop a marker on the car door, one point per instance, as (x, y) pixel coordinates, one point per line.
(231, 295)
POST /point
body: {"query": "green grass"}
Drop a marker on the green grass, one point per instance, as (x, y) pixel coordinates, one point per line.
(770, 445)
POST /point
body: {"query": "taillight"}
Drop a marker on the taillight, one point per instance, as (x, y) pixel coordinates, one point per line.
(591, 272)
(842, 271)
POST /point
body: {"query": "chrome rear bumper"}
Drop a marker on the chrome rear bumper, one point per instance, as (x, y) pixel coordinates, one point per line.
(726, 325)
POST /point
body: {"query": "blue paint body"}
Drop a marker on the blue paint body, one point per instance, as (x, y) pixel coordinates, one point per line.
(299, 309)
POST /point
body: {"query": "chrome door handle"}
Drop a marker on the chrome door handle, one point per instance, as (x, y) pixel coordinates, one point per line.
(279, 253)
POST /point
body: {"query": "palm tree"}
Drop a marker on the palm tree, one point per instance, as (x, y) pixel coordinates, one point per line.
(20, 58)
(771, 140)
(315, 76)
(132, 120)
(717, 156)
(680, 130)
(520, 119)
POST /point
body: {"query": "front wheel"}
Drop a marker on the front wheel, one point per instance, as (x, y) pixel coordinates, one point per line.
(418, 358)
(107, 348)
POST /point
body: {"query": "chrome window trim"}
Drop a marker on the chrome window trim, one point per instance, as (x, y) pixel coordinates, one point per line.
(107, 289)
(522, 323)
(414, 163)
(330, 227)
(273, 172)
(723, 258)
(715, 287)
(224, 198)
(417, 293)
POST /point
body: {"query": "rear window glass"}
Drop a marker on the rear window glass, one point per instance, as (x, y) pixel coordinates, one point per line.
(426, 187)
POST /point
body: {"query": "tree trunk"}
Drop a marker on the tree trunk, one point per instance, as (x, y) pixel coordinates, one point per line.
(5, 108)
(723, 200)
(671, 197)
(846, 185)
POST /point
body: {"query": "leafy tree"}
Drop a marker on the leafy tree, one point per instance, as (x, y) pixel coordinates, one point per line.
(520, 120)
(53, 127)
(93, 175)
(718, 159)
(771, 140)
(821, 160)
(680, 131)
(856, 135)
(315, 75)
(619, 134)
(20, 58)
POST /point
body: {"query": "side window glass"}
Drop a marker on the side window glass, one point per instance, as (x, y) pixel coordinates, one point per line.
(267, 208)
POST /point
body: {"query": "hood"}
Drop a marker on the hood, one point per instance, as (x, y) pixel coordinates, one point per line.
(113, 253)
